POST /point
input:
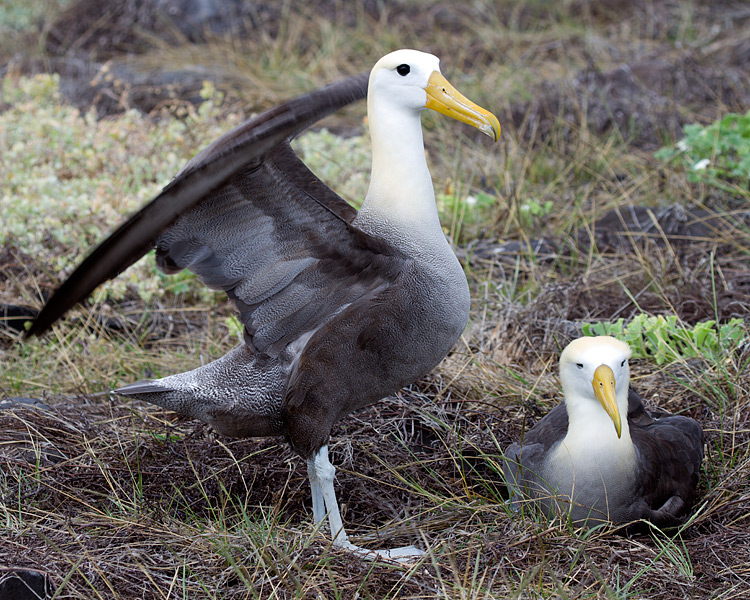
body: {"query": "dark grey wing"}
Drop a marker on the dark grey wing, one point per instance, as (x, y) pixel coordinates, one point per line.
(554, 425)
(239, 151)
(637, 414)
(550, 429)
(288, 260)
(523, 462)
(522, 470)
(670, 452)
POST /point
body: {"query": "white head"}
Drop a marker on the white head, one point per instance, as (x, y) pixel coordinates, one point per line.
(402, 77)
(595, 376)
(411, 80)
(400, 203)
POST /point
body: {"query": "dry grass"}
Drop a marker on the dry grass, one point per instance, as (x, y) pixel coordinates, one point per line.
(122, 500)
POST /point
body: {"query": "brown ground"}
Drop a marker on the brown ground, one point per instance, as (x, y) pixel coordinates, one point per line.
(120, 497)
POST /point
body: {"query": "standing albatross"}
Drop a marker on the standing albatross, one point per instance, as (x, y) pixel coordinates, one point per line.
(584, 461)
(340, 308)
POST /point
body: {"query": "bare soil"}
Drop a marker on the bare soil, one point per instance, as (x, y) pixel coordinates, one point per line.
(126, 499)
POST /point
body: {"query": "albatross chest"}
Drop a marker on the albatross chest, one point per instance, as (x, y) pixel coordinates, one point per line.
(590, 478)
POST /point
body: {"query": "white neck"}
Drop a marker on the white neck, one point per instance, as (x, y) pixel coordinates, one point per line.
(400, 202)
(591, 434)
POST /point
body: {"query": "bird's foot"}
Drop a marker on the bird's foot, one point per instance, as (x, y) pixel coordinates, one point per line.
(321, 473)
(405, 554)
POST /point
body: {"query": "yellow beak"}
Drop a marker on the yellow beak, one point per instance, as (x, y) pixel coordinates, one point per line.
(444, 98)
(604, 390)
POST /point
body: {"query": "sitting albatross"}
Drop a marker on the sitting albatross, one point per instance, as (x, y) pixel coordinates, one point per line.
(584, 461)
(339, 308)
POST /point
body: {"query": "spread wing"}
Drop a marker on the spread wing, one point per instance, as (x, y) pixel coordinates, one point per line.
(289, 259)
(253, 154)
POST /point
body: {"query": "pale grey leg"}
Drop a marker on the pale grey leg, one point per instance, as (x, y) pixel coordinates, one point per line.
(319, 509)
(324, 473)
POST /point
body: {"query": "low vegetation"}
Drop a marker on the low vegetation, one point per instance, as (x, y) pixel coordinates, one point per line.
(718, 154)
(564, 229)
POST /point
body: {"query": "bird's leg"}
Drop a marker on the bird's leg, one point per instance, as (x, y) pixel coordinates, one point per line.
(324, 474)
(319, 508)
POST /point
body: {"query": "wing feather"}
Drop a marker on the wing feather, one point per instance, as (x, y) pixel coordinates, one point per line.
(241, 150)
(670, 452)
(289, 260)
(550, 429)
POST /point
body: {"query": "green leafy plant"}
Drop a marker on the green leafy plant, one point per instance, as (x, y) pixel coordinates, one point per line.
(533, 210)
(19, 16)
(459, 211)
(718, 154)
(667, 339)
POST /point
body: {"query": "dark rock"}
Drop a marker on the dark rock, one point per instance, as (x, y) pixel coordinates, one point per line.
(509, 251)
(676, 224)
(104, 30)
(14, 316)
(21, 401)
(23, 584)
(647, 102)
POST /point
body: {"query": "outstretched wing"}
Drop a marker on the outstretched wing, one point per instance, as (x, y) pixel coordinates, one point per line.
(289, 260)
(238, 154)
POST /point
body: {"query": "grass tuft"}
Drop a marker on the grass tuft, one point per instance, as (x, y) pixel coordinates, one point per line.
(118, 499)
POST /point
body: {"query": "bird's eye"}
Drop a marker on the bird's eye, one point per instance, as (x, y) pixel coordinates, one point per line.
(403, 70)
(622, 364)
(579, 365)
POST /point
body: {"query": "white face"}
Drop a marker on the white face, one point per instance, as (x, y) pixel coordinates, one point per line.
(581, 358)
(402, 77)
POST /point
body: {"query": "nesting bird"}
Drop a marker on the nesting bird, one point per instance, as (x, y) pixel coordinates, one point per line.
(600, 457)
(340, 308)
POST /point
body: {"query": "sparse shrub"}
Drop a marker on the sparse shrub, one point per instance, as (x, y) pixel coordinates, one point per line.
(667, 339)
(532, 210)
(464, 213)
(66, 178)
(718, 154)
(20, 16)
(342, 163)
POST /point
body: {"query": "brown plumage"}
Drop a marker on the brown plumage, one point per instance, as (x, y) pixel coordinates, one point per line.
(339, 307)
(647, 472)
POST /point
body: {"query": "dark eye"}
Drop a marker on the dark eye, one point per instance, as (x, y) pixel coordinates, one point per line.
(403, 70)
(579, 365)
(622, 364)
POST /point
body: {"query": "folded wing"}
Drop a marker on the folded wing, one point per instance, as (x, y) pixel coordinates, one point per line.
(670, 449)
